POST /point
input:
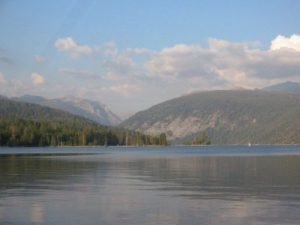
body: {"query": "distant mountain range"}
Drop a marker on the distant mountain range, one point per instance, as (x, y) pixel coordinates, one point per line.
(91, 110)
(292, 87)
(229, 117)
(15, 109)
(267, 116)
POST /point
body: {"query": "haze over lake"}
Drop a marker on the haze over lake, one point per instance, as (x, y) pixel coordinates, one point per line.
(173, 185)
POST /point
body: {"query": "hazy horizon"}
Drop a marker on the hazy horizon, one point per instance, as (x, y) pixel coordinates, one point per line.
(123, 115)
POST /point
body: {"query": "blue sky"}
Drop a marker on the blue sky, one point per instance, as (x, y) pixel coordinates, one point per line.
(132, 54)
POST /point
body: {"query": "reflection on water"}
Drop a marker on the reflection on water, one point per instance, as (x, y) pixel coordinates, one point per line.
(2, 214)
(150, 188)
(37, 213)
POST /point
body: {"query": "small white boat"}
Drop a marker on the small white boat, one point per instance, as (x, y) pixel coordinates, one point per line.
(249, 144)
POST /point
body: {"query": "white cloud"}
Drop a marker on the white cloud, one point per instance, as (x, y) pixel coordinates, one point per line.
(109, 49)
(121, 68)
(282, 42)
(119, 64)
(182, 60)
(69, 46)
(83, 74)
(272, 64)
(146, 77)
(17, 87)
(125, 90)
(225, 63)
(40, 58)
(37, 78)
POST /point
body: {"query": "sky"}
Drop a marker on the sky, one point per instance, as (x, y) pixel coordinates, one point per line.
(131, 55)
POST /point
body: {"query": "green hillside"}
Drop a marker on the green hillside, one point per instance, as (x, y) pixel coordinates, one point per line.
(228, 117)
(17, 109)
(25, 124)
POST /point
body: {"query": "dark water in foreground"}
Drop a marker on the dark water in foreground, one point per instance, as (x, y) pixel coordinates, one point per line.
(135, 186)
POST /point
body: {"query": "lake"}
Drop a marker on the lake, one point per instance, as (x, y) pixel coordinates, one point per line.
(135, 186)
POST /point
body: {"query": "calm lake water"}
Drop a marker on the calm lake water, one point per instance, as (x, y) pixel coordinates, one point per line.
(136, 186)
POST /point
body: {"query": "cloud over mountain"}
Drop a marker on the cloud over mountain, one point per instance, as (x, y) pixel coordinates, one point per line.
(292, 42)
(234, 63)
(146, 76)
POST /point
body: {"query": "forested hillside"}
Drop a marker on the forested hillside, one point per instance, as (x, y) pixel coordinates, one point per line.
(92, 110)
(228, 117)
(25, 124)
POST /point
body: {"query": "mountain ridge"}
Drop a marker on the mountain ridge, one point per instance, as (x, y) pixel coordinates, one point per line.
(29, 124)
(288, 86)
(88, 109)
(19, 109)
(229, 117)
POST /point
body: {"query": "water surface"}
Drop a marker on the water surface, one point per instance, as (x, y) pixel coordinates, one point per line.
(134, 186)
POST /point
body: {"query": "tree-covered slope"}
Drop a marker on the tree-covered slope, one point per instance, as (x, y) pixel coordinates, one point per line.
(92, 110)
(229, 117)
(13, 108)
(25, 124)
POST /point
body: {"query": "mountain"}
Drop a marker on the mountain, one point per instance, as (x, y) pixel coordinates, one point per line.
(88, 109)
(228, 117)
(28, 124)
(286, 86)
(15, 109)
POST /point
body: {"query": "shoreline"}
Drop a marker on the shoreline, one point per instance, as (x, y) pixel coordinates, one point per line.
(151, 146)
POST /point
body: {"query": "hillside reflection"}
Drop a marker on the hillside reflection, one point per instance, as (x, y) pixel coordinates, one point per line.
(232, 176)
(129, 188)
(222, 177)
(38, 172)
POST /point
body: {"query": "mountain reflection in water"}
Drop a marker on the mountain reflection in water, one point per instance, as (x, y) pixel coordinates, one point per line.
(140, 187)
